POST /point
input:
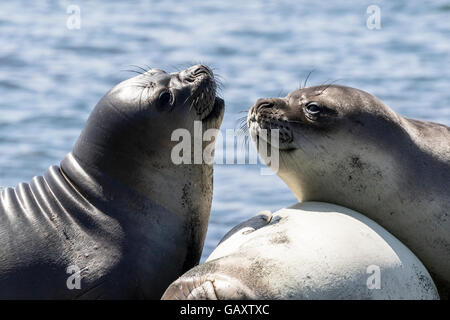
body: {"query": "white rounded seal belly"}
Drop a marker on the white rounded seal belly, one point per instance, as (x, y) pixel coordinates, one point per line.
(311, 250)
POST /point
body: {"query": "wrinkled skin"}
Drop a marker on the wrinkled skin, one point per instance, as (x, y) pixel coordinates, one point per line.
(342, 145)
(117, 208)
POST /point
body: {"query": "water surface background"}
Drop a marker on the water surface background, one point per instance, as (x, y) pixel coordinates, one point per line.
(51, 77)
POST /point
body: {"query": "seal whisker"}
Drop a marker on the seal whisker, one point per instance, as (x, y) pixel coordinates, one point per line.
(307, 77)
(327, 86)
(140, 68)
(134, 71)
(140, 99)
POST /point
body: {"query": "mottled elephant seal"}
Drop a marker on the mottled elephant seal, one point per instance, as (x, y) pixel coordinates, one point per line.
(344, 146)
(311, 250)
(117, 219)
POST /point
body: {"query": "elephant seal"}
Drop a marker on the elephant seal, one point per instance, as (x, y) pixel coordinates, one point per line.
(342, 145)
(311, 250)
(117, 218)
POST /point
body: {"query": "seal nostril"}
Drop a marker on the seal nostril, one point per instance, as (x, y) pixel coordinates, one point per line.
(263, 105)
(201, 70)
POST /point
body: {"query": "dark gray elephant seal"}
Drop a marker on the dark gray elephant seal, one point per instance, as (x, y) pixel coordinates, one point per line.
(117, 209)
(344, 146)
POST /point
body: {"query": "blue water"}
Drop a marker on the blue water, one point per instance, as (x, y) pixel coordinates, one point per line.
(51, 76)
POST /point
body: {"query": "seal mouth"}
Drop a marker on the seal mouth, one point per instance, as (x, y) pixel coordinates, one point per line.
(261, 122)
(217, 110)
(203, 97)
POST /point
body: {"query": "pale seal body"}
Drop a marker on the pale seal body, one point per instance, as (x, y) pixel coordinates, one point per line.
(344, 146)
(117, 208)
(311, 250)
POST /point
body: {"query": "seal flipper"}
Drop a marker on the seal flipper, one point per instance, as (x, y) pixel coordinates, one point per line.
(207, 287)
(187, 289)
(239, 234)
(256, 222)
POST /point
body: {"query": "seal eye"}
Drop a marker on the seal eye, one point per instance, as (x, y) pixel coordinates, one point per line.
(165, 98)
(313, 108)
